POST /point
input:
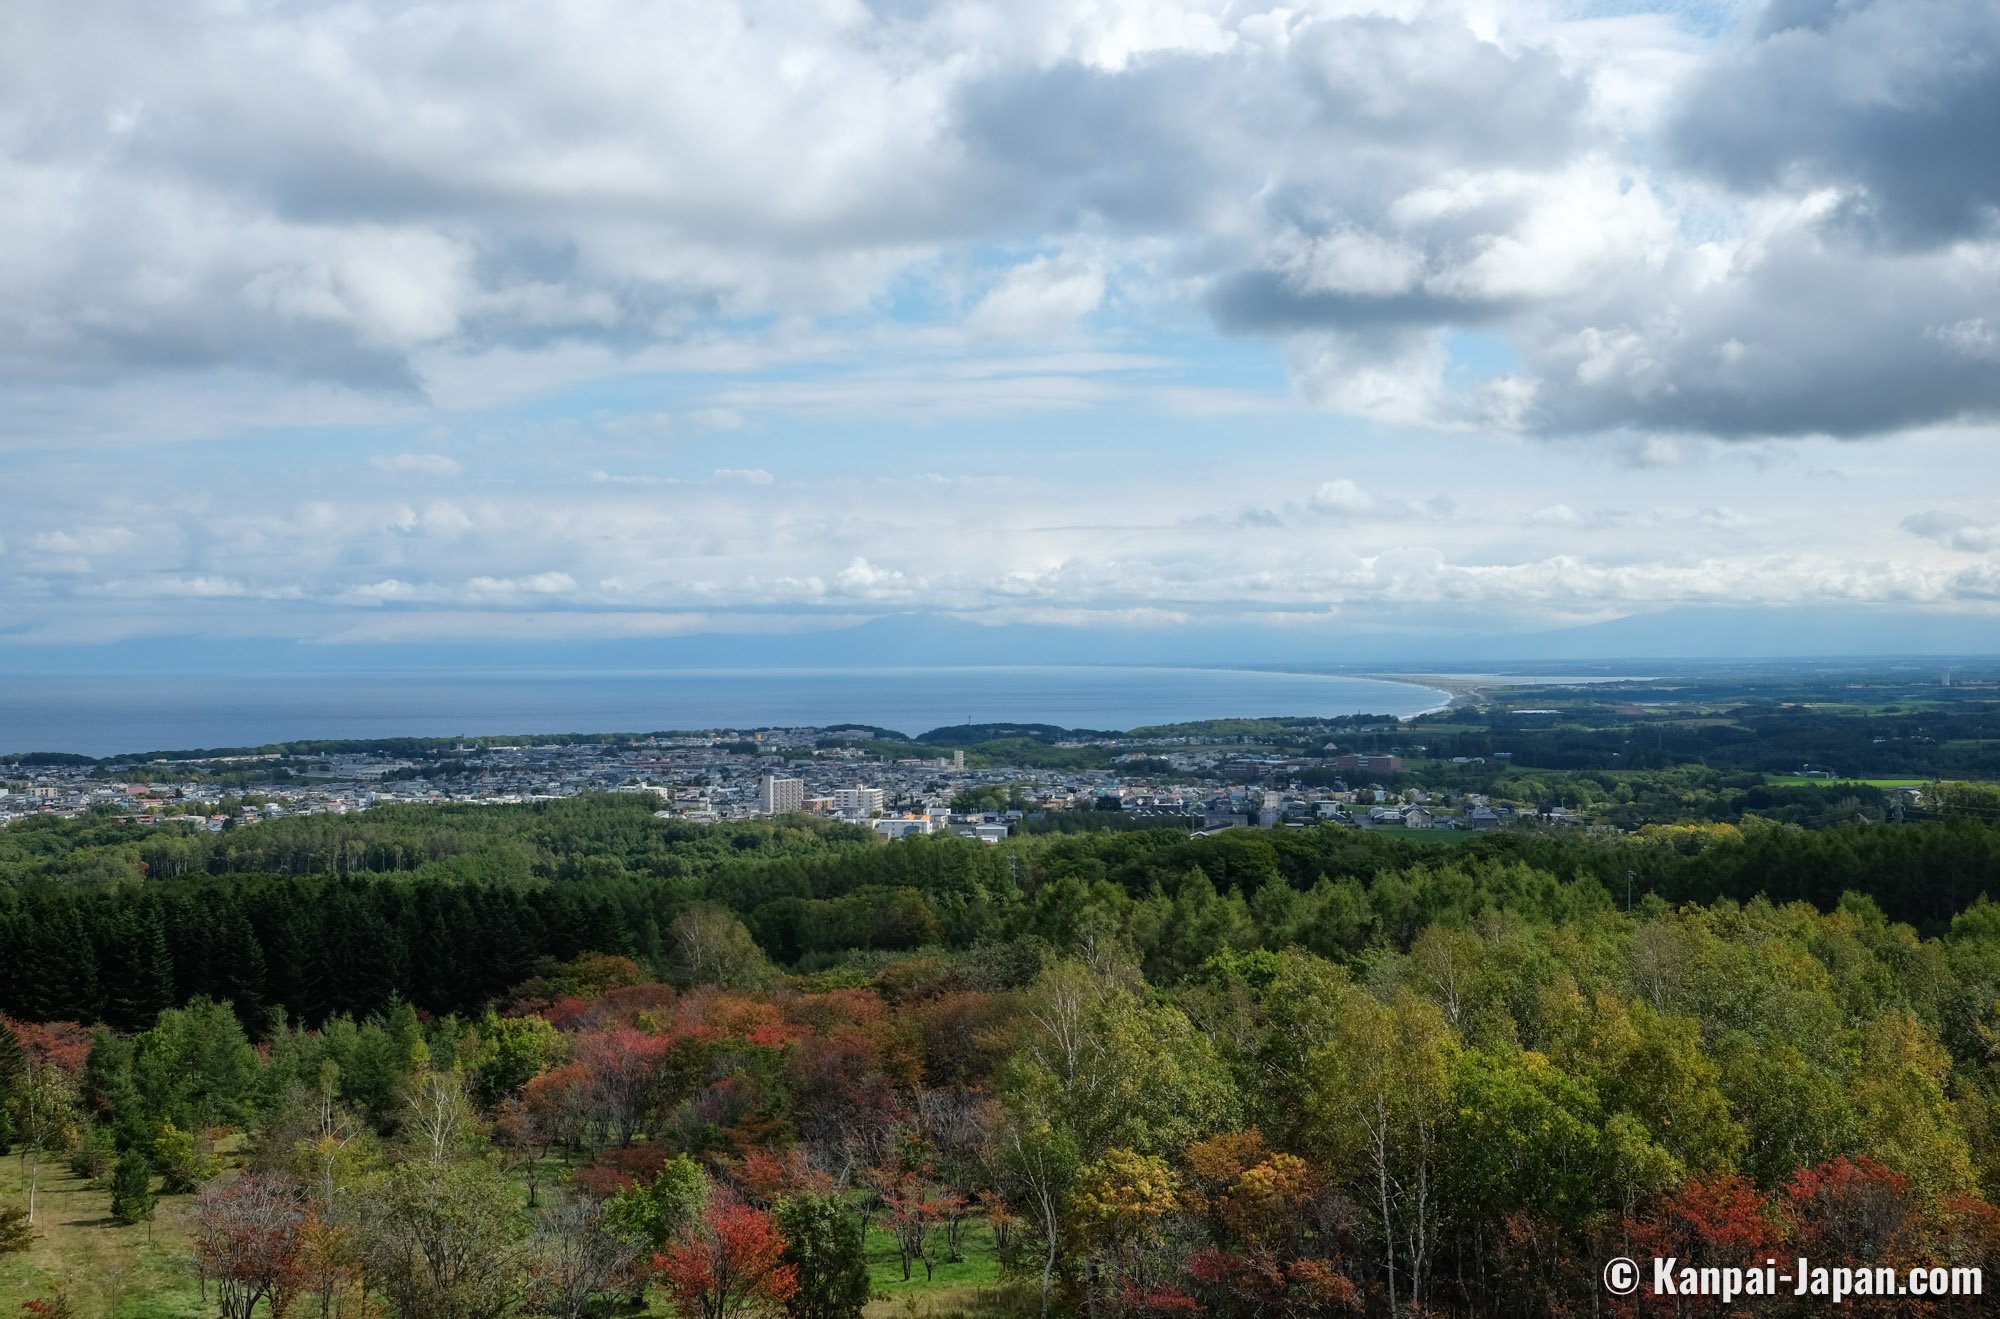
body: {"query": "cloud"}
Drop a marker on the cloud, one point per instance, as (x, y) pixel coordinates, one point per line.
(332, 194)
(1066, 306)
(1953, 531)
(1340, 496)
(1516, 533)
(1039, 300)
(1972, 337)
(1889, 101)
(418, 464)
(542, 583)
(717, 419)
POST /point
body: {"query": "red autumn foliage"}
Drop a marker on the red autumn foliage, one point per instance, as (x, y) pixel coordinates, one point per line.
(249, 1236)
(960, 1035)
(1721, 1218)
(1149, 1302)
(616, 1170)
(916, 1206)
(630, 1005)
(733, 1266)
(1717, 1220)
(1852, 1211)
(620, 1067)
(775, 1035)
(710, 1012)
(1967, 1233)
(63, 1044)
(1259, 1281)
(763, 1175)
(565, 1014)
(821, 1013)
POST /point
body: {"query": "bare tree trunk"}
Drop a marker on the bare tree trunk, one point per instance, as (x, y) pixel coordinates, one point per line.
(1381, 1140)
(1048, 1273)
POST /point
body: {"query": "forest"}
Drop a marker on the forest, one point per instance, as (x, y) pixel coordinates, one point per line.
(570, 1059)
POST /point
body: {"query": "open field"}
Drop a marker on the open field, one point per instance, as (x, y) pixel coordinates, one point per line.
(111, 1271)
(951, 1288)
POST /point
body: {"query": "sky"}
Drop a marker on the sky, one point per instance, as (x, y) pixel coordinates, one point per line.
(482, 323)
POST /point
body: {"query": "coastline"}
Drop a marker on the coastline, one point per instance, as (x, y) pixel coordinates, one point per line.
(108, 717)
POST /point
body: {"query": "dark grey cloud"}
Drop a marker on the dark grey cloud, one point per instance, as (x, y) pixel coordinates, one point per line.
(1896, 98)
(1817, 337)
(1266, 302)
(1144, 147)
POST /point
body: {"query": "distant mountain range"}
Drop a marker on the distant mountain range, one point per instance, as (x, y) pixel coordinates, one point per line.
(932, 640)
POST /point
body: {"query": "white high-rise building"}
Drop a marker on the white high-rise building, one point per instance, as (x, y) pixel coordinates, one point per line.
(859, 802)
(958, 759)
(776, 796)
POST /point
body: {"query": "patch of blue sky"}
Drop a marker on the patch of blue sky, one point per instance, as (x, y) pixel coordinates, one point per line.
(1479, 354)
(1707, 18)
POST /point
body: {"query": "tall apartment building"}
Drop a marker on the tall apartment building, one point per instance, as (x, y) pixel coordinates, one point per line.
(776, 796)
(859, 801)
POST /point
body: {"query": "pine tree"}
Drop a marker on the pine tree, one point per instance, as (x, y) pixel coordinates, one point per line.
(138, 971)
(132, 1188)
(108, 1091)
(13, 1068)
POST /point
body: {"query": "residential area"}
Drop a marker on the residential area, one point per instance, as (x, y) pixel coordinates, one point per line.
(732, 775)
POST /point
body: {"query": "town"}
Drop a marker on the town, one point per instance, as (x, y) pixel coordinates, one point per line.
(1200, 784)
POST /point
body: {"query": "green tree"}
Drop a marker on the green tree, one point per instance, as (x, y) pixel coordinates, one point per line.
(107, 1090)
(45, 1118)
(823, 1242)
(196, 1066)
(511, 1052)
(183, 1163)
(132, 1188)
(1793, 1112)
(1898, 1094)
(1038, 1167)
(1660, 1075)
(710, 946)
(13, 1069)
(1114, 1069)
(1380, 1098)
(445, 1241)
(666, 1208)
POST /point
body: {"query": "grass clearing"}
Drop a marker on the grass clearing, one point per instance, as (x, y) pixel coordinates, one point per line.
(112, 1271)
(980, 1267)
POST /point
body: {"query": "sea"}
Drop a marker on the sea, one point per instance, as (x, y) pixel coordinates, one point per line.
(101, 715)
